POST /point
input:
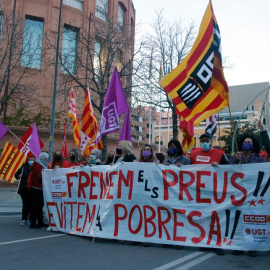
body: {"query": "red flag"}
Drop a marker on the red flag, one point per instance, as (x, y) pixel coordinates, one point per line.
(23, 145)
(64, 148)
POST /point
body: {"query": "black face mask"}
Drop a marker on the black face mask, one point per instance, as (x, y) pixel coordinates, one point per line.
(118, 151)
(110, 160)
(58, 157)
(72, 158)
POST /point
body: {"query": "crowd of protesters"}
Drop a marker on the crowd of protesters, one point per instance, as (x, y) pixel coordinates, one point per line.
(30, 174)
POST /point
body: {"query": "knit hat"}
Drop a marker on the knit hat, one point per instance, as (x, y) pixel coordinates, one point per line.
(206, 135)
(43, 156)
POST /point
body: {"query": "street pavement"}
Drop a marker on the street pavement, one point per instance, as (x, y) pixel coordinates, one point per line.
(24, 248)
(10, 201)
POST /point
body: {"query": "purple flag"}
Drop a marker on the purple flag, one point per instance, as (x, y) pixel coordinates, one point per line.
(34, 145)
(114, 106)
(3, 130)
(126, 129)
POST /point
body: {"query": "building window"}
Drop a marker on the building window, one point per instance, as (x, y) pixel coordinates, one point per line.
(119, 60)
(148, 125)
(98, 57)
(74, 3)
(1, 23)
(32, 42)
(102, 9)
(69, 49)
(121, 13)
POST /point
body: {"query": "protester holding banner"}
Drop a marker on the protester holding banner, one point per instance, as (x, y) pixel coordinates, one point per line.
(34, 184)
(111, 158)
(74, 159)
(147, 154)
(249, 149)
(207, 154)
(95, 157)
(175, 154)
(160, 158)
(125, 151)
(57, 160)
(22, 175)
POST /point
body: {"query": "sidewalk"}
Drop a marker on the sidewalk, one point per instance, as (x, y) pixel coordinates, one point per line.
(10, 201)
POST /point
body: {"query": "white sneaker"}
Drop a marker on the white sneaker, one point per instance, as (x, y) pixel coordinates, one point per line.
(49, 229)
(23, 223)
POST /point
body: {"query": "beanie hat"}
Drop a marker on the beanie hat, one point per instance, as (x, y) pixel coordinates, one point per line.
(43, 156)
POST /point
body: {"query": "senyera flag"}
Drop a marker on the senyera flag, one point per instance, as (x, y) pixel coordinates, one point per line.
(23, 145)
(197, 86)
(72, 112)
(114, 106)
(11, 160)
(89, 127)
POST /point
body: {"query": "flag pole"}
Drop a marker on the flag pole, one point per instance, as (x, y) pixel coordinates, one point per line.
(55, 83)
(168, 125)
(264, 104)
(159, 130)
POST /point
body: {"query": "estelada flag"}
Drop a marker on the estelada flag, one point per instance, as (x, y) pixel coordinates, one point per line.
(197, 85)
(89, 127)
(11, 160)
(72, 112)
(23, 145)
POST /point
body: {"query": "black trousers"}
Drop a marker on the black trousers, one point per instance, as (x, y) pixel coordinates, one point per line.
(36, 206)
(25, 204)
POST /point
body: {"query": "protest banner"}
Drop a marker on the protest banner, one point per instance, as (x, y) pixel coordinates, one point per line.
(194, 205)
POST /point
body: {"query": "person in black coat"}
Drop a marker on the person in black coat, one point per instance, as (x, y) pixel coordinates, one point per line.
(22, 175)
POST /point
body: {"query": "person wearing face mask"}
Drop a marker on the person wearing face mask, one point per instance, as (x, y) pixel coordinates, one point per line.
(22, 175)
(74, 159)
(95, 157)
(57, 160)
(111, 158)
(124, 150)
(147, 154)
(208, 154)
(175, 154)
(34, 184)
(249, 149)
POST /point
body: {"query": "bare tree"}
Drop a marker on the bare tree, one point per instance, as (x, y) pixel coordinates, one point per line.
(165, 47)
(89, 60)
(17, 86)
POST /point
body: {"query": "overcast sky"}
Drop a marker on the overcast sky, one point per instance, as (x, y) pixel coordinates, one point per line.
(244, 27)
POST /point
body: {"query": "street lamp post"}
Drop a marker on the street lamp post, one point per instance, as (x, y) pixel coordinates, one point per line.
(55, 83)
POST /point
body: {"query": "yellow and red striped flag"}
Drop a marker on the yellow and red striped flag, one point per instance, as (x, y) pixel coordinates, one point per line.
(89, 128)
(72, 112)
(197, 86)
(11, 160)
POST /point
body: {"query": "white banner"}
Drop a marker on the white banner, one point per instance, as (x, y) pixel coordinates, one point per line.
(225, 207)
